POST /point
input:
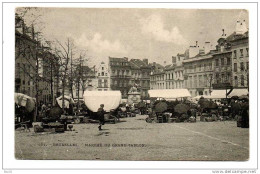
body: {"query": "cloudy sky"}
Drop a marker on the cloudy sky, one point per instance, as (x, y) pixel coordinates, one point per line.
(156, 34)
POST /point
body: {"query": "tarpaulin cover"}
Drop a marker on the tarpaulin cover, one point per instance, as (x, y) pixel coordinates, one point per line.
(25, 101)
(67, 100)
(238, 92)
(110, 99)
(169, 93)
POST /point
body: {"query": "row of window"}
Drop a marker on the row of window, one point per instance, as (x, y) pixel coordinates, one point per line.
(102, 74)
(242, 66)
(198, 81)
(119, 63)
(242, 80)
(223, 61)
(199, 68)
(177, 74)
(241, 52)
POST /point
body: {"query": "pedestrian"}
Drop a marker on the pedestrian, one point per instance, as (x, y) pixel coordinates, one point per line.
(101, 113)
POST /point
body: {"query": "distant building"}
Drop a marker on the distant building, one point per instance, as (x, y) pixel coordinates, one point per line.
(157, 77)
(25, 63)
(140, 76)
(169, 75)
(240, 56)
(198, 71)
(222, 70)
(103, 77)
(178, 72)
(120, 75)
(29, 51)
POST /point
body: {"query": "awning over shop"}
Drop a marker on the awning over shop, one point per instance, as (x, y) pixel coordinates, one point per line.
(238, 92)
(218, 94)
(169, 93)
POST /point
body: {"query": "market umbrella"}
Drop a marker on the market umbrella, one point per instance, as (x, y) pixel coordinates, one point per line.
(236, 106)
(160, 107)
(235, 97)
(55, 112)
(181, 108)
(25, 101)
(204, 104)
(212, 105)
(244, 97)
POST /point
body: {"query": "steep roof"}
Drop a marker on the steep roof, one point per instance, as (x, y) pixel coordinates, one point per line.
(124, 59)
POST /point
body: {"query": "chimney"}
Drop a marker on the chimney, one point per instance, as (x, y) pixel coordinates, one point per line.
(165, 63)
(239, 28)
(207, 47)
(173, 59)
(196, 43)
(193, 51)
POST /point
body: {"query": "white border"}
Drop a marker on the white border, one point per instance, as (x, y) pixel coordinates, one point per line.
(8, 84)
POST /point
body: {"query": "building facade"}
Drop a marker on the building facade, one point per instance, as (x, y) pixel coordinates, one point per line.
(103, 77)
(140, 76)
(28, 53)
(157, 76)
(240, 61)
(179, 72)
(198, 73)
(120, 75)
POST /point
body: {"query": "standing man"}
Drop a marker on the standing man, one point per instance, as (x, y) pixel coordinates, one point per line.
(101, 113)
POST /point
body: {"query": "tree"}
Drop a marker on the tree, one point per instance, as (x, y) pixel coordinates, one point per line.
(63, 52)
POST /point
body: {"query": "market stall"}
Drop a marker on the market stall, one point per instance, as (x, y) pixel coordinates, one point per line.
(169, 94)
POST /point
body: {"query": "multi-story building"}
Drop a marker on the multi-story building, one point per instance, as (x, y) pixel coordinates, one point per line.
(157, 77)
(198, 70)
(169, 75)
(120, 75)
(240, 57)
(25, 62)
(140, 76)
(178, 72)
(29, 52)
(103, 77)
(222, 70)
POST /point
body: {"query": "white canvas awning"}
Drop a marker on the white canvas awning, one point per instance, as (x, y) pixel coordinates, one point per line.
(217, 94)
(110, 99)
(238, 92)
(169, 93)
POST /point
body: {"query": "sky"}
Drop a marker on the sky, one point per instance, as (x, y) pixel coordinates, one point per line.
(155, 34)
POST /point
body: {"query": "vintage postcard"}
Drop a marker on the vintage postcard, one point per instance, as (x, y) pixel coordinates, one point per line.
(135, 84)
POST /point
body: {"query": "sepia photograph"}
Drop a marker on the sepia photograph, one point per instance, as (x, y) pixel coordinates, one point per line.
(131, 84)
